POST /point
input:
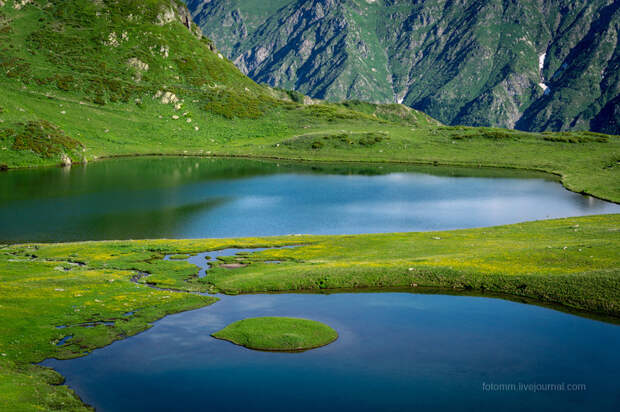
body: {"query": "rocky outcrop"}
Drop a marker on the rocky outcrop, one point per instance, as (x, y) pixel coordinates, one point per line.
(18, 4)
(139, 66)
(175, 11)
(65, 160)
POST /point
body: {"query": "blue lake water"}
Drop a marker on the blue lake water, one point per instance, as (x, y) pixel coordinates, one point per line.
(198, 197)
(395, 351)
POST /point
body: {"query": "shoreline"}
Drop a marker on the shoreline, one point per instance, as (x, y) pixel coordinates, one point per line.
(535, 263)
(558, 175)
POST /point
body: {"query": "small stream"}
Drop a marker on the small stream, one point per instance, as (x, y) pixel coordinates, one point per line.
(205, 259)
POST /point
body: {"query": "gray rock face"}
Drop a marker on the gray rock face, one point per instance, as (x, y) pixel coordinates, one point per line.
(532, 64)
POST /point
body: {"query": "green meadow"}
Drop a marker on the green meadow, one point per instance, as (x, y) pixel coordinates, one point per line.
(82, 81)
(51, 291)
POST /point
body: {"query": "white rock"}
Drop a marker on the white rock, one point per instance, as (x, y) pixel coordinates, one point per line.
(65, 160)
(112, 40)
(169, 97)
(546, 89)
(165, 17)
(19, 4)
(541, 61)
(165, 51)
(138, 64)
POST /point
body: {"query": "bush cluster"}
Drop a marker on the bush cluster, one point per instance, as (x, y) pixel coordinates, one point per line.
(232, 105)
(44, 139)
(568, 137)
(338, 140)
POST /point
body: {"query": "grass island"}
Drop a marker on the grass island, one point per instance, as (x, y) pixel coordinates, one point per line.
(278, 334)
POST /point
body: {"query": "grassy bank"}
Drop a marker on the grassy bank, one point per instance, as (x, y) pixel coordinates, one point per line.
(57, 308)
(278, 334)
(586, 163)
(85, 290)
(83, 80)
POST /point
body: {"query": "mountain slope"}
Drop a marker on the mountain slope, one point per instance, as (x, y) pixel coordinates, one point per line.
(82, 79)
(534, 65)
(143, 64)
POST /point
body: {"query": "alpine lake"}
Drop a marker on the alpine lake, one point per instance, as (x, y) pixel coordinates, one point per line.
(396, 350)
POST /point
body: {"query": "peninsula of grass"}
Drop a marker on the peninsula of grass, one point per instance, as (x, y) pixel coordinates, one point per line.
(179, 256)
(278, 334)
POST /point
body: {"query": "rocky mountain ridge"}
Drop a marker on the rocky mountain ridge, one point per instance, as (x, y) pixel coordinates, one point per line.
(532, 65)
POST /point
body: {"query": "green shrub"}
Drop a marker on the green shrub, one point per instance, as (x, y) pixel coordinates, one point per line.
(571, 138)
(64, 82)
(232, 105)
(331, 112)
(44, 139)
(6, 134)
(15, 67)
(337, 140)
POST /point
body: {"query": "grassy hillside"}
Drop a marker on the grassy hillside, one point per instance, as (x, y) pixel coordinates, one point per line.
(82, 80)
(95, 292)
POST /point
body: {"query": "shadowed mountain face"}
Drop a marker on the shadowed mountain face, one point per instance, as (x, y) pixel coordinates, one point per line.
(532, 64)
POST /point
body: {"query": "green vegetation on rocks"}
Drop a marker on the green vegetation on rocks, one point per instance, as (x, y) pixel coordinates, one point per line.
(278, 334)
(529, 64)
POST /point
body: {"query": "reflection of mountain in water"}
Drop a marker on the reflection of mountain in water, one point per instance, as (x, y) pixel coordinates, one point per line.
(146, 224)
(144, 173)
(589, 204)
(203, 197)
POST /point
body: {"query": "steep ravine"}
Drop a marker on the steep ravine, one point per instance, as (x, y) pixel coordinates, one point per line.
(533, 65)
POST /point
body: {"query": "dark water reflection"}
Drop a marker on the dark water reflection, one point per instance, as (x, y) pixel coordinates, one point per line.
(396, 351)
(194, 198)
